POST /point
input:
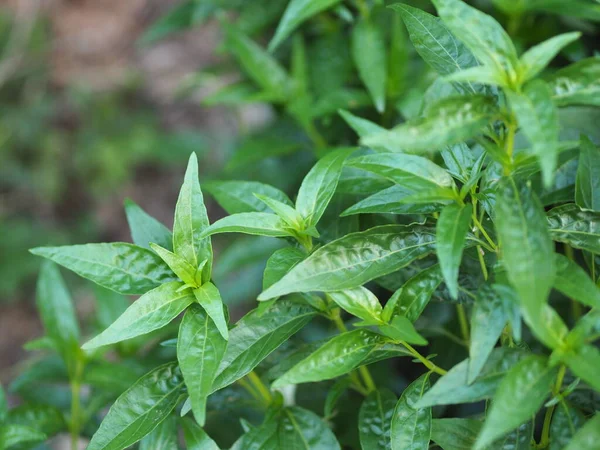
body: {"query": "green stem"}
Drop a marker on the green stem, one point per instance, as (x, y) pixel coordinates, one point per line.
(484, 233)
(427, 363)
(482, 263)
(510, 144)
(248, 387)
(545, 439)
(75, 422)
(462, 319)
(260, 387)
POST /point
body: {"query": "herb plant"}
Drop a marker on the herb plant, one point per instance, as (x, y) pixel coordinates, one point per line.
(462, 275)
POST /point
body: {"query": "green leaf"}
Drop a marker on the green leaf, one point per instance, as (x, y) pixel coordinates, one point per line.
(520, 395)
(150, 312)
(402, 329)
(263, 437)
(369, 55)
(451, 233)
(411, 426)
(527, 249)
(460, 161)
(587, 185)
(454, 387)
(56, 310)
(124, 268)
(43, 418)
(451, 120)
(239, 196)
(145, 228)
(195, 437)
(163, 437)
(359, 302)
(577, 84)
(255, 223)
(210, 299)
(280, 263)
(478, 74)
(200, 348)
(412, 298)
(289, 215)
(538, 118)
(190, 222)
(255, 336)
(587, 437)
(180, 267)
(481, 33)
(109, 306)
(303, 429)
(455, 434)
(575, 227)
(488, 319)
(584, 362)
(362, 127)
(356, 258)
(375, 420)
(3, 405)
(575, 283)
(297, 12)
(338, 356)
(333, 395)
(140, 409)
(410, 171)
(11, 435)
(435, 43)
(258, 64)
(319, 185)
(566, 420)
(534, 60)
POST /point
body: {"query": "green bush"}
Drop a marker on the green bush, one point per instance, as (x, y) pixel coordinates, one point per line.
(455, 253)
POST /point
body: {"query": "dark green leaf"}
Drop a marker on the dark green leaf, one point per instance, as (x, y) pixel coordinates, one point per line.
(195, 437)
(411, 426)
(304, 430)
(455, 434)
(163, 437)
(573, 282)
(566, 420)
(573, 226)
(11, 435)
(238, 196)
(587, 185)
(402, 329)
(375, 420)
(587, 437)
(145, 228)
(362, 127)
(280, 263)
(124, 268)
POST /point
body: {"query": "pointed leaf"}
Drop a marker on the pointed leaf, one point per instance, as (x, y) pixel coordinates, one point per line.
(577, 84)
(573, 226)
(124, 268)
(190, 221)
(177, 264)
(210, 299)
(369, 54)
(587, 185)
(575, 283)
(393, 200)
(455, 434)
(362, 127)
(587, 437)
(375, 420)
(303, 429)
(145, 228)
(411, 426)
(12, 435)
(359, 302)
(451, 233)
(255, 223)
(150, 312)
(402, 329)
(534, 60)
(239, 196)
(163, 437)
(566, 420)
(200, 348)
(584, 362)
(280, 263)
(195, 437)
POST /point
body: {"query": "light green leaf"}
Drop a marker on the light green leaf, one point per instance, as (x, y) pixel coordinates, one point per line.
(520, 395)
(177, 264)
(145, 228)
(566, 420)
(195, 437)
(319, 185)
(258, 64)
(538, 118)
(359, 302)
(575, 283)
(402, 329)
(451, 233)
(280, 263)
(587, 184)
(478, 74)
(481, 33)
(297, 12)
(587, 437)
(449, 121)
(304, 430)
(488, 319)
(238, 196)
(200, 348)
(412, 298)
(460, 161)
(575, 227)
(338, 356)
(140, 409)
(150, 312)
(56, 310)
(577, 84)
(375, 420)
(435, 43)
(210, 299)
(369, 54)
(534, 60)
(527, 249)
(190, 221)
(163, 437)
(124, 268)
(454, 388)
(455, 434)
(356, 258)
(256, 223)
(255, 336)
(12, 435)
(411, 426)
(584, 362)
(362, 127)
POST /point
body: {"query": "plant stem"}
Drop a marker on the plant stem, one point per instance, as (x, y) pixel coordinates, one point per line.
(462, 319)
(427, 363)
(545, 439)
(482, 262)
(484, 233)
(75, 422)
(257, 383)
(510, 144)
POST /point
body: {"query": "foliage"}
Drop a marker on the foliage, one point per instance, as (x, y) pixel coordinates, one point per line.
(462, 232)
